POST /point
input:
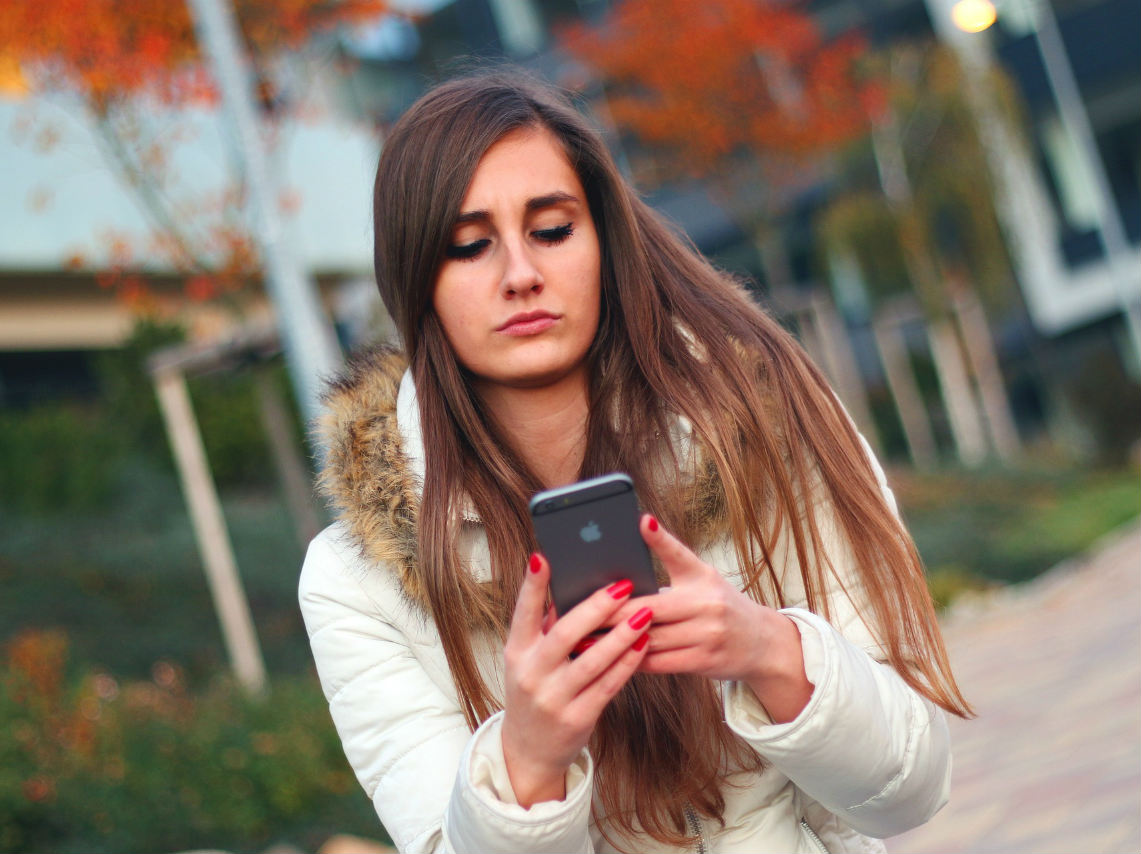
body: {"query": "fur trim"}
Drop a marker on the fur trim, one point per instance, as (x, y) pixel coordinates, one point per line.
(366, 476)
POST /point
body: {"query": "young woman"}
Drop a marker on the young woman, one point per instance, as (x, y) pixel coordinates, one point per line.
(782, 692)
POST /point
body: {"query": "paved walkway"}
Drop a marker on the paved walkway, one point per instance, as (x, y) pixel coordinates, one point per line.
(1053, 761)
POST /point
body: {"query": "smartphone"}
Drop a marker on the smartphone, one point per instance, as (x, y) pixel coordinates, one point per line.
(588, 532)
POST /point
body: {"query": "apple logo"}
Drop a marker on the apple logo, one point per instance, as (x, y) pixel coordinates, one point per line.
(591, 533)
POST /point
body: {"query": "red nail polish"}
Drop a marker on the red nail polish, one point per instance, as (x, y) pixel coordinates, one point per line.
(620, 589)
(535, 564)
(640, 618)
(653, 524)
(640, 643)
(584, 644)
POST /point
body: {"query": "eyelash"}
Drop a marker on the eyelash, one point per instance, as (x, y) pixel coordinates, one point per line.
(470, 251)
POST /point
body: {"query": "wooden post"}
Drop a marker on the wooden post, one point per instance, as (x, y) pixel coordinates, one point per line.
(962, 410)
(840, 363)
(210, 530)
(888, 330)
(287, 459)
(984, 364)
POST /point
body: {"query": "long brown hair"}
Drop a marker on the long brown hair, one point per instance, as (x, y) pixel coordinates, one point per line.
(676, 337)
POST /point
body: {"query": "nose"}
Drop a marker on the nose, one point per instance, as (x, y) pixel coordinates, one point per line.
(520, 277)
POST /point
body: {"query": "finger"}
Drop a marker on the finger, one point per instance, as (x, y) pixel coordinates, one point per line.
(679, 561)
(671, 636)
(531, 607)
(686, 660)
(549, 619)
(668, 607)
(587, 616)
(592, 699)
(597, 657)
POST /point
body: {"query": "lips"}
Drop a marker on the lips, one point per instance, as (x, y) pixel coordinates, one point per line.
(528, 323)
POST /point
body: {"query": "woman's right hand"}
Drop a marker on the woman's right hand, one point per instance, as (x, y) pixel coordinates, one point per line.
(553, 701)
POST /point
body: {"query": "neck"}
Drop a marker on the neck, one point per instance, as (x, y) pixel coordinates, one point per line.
(546, 426)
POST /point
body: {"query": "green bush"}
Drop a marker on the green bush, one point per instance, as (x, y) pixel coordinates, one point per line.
(1009, 526)
(56, 458)
(88, 764)
(127, 391)
(225, 405)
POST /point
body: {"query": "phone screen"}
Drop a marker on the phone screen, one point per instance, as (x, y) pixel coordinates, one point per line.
(588, 531)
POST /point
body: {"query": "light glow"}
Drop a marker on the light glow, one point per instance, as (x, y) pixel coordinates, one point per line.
(973, 16)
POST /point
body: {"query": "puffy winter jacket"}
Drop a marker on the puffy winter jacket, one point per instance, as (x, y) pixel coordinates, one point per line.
(867, 758)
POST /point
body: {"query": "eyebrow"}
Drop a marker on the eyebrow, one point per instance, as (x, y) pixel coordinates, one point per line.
(537, 203)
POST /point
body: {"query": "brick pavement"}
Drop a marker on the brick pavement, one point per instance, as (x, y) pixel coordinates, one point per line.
(1053, 668)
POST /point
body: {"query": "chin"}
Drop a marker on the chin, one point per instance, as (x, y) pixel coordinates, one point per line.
(533, 376)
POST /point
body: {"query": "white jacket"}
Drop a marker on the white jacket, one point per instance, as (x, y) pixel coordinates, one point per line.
(868, 757)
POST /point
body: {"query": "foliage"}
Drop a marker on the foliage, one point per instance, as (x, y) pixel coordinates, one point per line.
(1008, 526)
(747, 96)
(133, 563)
(66, 457)
(92, 764)
(915, 205)
(739, 75)
(113, 49)
(127, 390)
(57, 458)
(131, 66)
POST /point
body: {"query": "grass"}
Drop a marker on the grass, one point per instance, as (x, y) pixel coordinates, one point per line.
(127, 585)
(997, 526)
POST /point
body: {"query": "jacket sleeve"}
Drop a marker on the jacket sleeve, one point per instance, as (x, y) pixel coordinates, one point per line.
(436, 786)
(867, 746)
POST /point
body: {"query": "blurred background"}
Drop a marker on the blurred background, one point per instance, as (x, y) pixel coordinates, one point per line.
(941, 200)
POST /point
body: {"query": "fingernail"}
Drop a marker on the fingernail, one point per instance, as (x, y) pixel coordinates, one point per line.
(653, 524)
(640, 618)
(536, 564)
(620, 589)
(640, 643)
(584, 644)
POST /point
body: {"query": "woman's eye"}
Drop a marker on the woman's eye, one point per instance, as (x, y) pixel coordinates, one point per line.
(467, 251)
(555, 236)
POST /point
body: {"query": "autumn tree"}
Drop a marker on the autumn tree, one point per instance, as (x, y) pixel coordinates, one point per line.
(134, 68)
(746, 94)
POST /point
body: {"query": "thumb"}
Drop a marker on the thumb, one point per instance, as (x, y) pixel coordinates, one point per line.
(531, 606)
(679, 561)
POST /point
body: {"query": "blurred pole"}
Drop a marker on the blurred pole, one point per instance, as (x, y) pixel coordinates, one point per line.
(210, 531)
(962, 410)
(1023, 206)
(983, 361)
(887, 326)
(292, 474)
(310, 346)
(1072, 111)
(841, 366)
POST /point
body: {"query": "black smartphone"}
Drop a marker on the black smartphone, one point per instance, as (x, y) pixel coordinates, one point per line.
(588, 532)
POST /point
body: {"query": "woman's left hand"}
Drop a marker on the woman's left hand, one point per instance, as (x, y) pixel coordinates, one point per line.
(703, 624)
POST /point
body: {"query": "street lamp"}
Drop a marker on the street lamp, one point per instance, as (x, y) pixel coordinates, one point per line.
(974, 16)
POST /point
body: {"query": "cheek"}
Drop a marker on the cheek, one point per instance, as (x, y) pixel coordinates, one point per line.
(448, 304)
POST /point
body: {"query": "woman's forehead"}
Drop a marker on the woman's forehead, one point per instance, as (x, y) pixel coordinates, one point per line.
(525, 167)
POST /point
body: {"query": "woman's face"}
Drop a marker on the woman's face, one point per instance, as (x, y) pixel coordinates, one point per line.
(518, 291)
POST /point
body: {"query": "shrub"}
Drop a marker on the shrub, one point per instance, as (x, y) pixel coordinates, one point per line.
(91, 764)
(57, 458)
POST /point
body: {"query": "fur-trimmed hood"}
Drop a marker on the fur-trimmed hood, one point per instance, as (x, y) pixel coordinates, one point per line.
(374, 466)
(369, 476)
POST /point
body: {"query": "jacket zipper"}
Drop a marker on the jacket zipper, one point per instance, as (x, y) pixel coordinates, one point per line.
(695, 828)
(813, 837)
